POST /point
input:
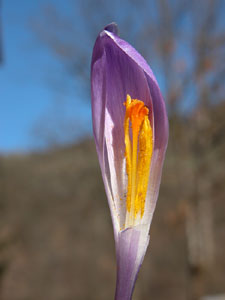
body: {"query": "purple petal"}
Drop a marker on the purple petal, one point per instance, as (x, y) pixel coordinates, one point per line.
(160, 115)
(114, 75)
(117, 70)
(131, 248)
(112, 27)
(161, 133)
(160, 123)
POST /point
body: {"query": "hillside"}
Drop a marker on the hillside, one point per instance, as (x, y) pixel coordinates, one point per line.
(56, 239)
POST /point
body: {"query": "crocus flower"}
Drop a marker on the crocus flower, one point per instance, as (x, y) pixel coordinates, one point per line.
(130, 128)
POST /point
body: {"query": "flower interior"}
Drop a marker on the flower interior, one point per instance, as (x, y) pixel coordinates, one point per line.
(138, 154)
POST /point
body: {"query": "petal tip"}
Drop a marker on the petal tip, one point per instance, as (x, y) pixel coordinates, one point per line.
(112, 27)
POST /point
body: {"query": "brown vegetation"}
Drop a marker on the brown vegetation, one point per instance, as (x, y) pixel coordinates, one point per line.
(56, 233)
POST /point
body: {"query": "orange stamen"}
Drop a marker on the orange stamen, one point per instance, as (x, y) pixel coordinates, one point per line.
(138, 155)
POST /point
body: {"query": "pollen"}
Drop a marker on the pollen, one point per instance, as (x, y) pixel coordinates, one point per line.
(138, 153)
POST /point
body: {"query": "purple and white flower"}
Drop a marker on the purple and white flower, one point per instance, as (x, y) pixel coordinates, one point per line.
(131, 133)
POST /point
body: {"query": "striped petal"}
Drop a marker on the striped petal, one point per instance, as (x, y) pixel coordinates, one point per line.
(118, 70)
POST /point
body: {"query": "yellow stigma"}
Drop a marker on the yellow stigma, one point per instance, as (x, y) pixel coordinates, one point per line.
(138, 154)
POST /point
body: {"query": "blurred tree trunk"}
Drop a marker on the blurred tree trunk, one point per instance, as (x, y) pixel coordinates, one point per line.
(199, 217)
(199, 231)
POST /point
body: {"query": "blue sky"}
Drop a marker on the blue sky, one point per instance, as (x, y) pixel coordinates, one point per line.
(36, 94)
(26, 96)
(41, 102)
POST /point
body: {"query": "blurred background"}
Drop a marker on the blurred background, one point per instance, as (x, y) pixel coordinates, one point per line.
(56, 239)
